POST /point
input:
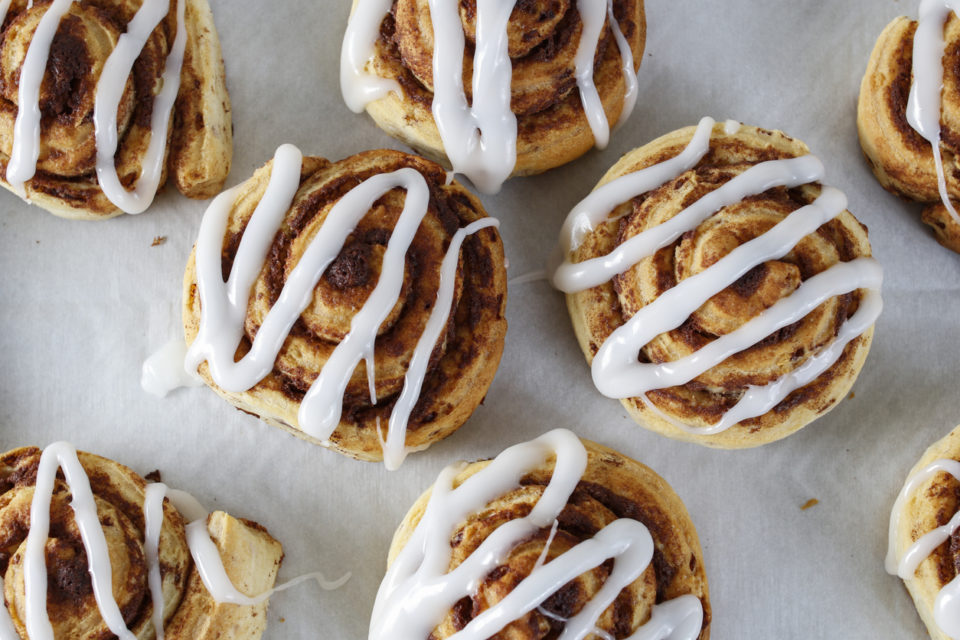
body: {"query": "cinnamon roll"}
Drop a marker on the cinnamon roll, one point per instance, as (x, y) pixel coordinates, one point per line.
(556, 537)
(91, 550)
(358, 304)
(909, 130)
(923, 537)
(556, 74)
(101, 99)
(717, 289)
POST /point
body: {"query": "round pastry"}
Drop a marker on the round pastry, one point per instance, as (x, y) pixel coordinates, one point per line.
(744, 286)
(101, 99)
(364, 302)
(910, 139)
(96, 552)
(556, 74)
(556, 537)
(922, 545)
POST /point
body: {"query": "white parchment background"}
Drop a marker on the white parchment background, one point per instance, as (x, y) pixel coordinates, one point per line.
(84, 303)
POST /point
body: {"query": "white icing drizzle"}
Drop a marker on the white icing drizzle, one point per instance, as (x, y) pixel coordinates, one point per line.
(946, 606)
(113, 78)
(480, 139)
(532, 276)
(206, 556)
(210, 568)
(731, 127)
(224, 305)
(487, 158)
(616, 371)
(62, 455)
(394, 451)
(418, 588)
(596, 207)
(153, 523)
(26, 129)
(163, 371)
(116, 70)
(924, 102)
(359, 87)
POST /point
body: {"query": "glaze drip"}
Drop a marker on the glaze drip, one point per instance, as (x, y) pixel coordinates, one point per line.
(924, 101)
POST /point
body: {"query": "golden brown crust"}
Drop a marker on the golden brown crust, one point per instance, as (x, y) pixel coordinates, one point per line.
(552, 128)
(932, 505)
(462, 366)
(597, 312)
(613, 486)
(901, 159)
(199, 144)
(203, 132)
(251, 557)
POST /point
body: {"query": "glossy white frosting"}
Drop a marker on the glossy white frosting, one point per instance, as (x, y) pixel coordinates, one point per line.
(480, 138)
(26, 138)
(616, 371)
(946, 607)
(419, 588)
(224, 304)
(114, 76)
(152, 524)
(206, 556)
(163, 371)
(924, 101)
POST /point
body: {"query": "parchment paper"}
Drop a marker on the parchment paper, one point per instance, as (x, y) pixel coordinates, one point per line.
(84, 303)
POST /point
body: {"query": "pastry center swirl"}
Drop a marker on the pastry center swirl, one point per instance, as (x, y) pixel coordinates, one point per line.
(760, 288)
(86, 36)
(347, 284)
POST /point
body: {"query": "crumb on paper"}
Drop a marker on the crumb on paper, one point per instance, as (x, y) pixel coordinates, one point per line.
(159, 240)
(282, 620)
(812, 502)
(153, 476)
(851, 396)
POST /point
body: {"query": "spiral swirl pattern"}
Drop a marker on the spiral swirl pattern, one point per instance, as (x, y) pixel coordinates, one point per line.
(930, 501)
(94, 491)
(703, 401)
(198, 144)
(463, 361)
(543, 38)
(901, 159)
(612, 488)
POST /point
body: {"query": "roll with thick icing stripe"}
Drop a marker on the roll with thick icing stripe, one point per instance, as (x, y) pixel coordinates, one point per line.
(717, 288)
(554, 538)
(358, 304)
(102, 100)
(91, 550)
(556, 77)
(922, 547)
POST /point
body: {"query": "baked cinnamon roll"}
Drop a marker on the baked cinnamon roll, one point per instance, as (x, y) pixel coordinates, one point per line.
(555, 76)
(358, 304)
(908, 114)
(91, 550)
(101, 99)
(555, 537)
(923, 533)
(717, 288)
